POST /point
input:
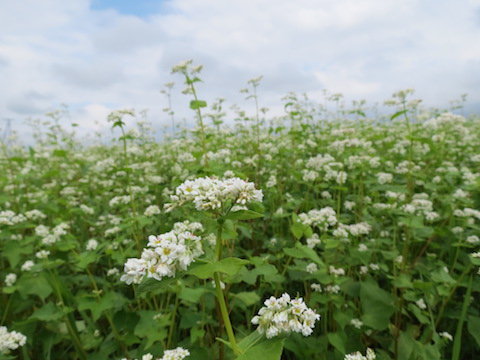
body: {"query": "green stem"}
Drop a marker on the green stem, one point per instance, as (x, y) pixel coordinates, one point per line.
(200, 120)
(225, 317)
(172, 322)
(219, 292)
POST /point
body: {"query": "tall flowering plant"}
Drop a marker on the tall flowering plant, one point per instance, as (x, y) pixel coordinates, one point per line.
(174, 251)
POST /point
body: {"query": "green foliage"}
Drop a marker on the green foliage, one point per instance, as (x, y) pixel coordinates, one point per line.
(395, 268)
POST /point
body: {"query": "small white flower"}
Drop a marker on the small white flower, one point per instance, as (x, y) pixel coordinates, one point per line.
(356, 323)
(27, 265)
(362, 247)
(446, 335)
(285, 315)
(152, 210)
(311, 268)
(91, 245)
(10, 340)
(10, 279)
(421, 304)
(42, 254)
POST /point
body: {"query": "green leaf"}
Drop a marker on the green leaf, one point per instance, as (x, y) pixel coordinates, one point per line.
(34, 285)
(398, 113)
(111, 300)
(85, 258)
(303, 252)
(270, 349)
(243, 215)
(48, 312)
(473, 326)
(377, 304)
(248, 341)
(151, 285)
(297, 229)
(247, 297)
(192, 295)
(150, 327)
(197, 104)
(14, 251)
(338, 340)
(229, 266)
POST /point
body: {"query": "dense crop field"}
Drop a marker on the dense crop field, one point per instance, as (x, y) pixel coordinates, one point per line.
(312, 236)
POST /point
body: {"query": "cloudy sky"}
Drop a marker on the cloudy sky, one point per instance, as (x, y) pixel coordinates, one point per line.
(99, 55)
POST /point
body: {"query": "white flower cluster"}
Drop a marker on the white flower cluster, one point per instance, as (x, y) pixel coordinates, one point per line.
(10, 340)
(285, 315)
(322, 218)
(166, 253)
(211, 193)
(50, 237)
(8, 217)
(175, 354)
(370, 355)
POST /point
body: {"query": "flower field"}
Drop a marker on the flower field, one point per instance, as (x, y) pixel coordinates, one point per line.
(317, 235)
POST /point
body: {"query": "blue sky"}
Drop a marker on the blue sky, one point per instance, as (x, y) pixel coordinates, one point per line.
(140, 8)
(97, 55)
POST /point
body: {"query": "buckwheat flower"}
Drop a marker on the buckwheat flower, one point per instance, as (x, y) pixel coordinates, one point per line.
(112, 272)
(336, 272)
(446, 335)
(91, 245)
(431, 215)
(421, 304)
(272, 181)
(181, 66)
(313, 241)
(112, 231)
(362, 247)
(35, 215)
(460, 194)
(473, 239)
(316, 287)
(42, 230)
(212, 193)
(27, 265)
(475, 255)
(176, 354)
(356, 323)
(332, 289)
(457, 230)
(281, 316)
(10, 340)
(311, 268)
(134, 271)
(363, 270)
(349, 205)
(369, 355)
(166, 254)
(152, 210)
(322, 218)
(384, 178)
(86, 209)
(42, 254)
(10, 279)
(326, 195)
(374, 267)
(341, 177)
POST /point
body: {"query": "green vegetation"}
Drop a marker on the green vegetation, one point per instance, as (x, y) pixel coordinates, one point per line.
(374, 223)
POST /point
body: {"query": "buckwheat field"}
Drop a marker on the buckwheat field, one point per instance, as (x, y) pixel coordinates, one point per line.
(348, 234)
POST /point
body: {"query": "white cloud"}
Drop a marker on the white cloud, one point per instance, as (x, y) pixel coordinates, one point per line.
(55, 51)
